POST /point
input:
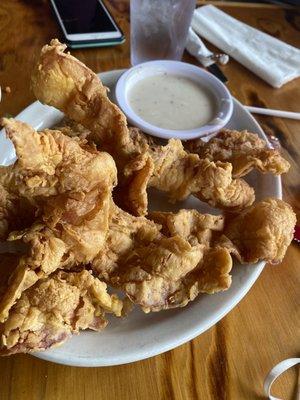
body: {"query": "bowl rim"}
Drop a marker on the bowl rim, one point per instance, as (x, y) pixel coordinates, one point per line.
(225, 103)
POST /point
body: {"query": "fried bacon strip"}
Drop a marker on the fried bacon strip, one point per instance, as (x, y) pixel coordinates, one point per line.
(50, 311)
(64, 82)
(244, 150)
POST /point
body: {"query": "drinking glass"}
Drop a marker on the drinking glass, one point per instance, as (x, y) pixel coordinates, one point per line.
(159, 28)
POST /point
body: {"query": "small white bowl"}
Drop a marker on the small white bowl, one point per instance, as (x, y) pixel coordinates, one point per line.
(215, 86)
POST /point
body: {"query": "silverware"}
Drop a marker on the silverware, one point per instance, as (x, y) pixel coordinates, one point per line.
(209, 60)
(215, 70)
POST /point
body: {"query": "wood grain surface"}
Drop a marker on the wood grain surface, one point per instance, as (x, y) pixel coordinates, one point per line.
(231, 360)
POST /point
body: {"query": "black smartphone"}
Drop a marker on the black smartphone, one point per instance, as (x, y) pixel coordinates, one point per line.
(87, 23)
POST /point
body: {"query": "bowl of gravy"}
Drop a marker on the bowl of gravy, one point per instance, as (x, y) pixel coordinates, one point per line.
(172, 99)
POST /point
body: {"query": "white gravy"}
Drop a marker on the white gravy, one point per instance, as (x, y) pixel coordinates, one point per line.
(172, 102)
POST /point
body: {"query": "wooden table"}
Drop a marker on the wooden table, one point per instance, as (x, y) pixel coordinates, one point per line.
(230, 360)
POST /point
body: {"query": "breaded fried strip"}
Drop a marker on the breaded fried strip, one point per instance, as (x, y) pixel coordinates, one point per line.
(48, 313)
(126, 232)
(191, 225)
(50, 163)
(171, 273)
(69, 182)
(180, 174)
(133, 196)
(71, 185)
(243, 149)
(164, 270)
(62, 81)
(262, 232)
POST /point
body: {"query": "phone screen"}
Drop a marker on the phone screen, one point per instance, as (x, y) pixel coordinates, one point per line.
(87, 16)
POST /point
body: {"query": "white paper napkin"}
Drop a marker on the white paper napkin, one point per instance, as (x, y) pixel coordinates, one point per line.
(197, 48)
(271, 59)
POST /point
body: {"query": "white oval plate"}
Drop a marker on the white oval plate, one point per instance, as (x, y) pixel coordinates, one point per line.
(140, 335)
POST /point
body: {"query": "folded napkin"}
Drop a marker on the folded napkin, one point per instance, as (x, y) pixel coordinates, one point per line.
(197, 48)
(271, 59)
